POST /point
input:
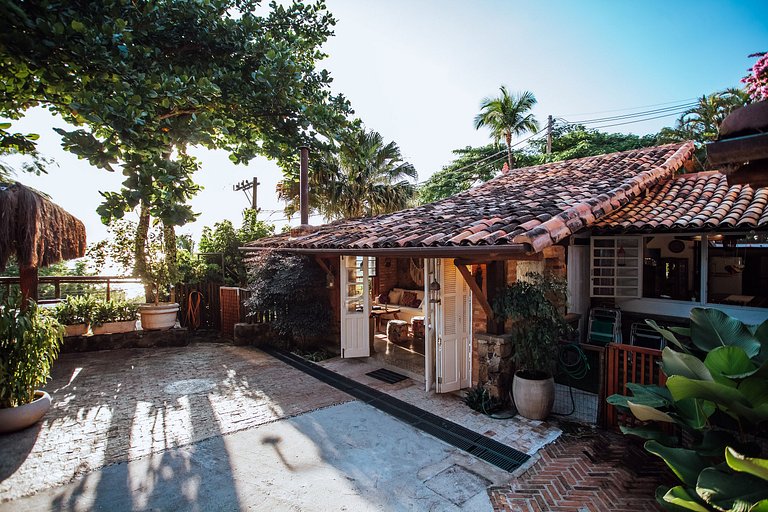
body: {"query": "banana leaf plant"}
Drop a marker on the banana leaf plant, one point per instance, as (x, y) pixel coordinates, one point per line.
(717, 393)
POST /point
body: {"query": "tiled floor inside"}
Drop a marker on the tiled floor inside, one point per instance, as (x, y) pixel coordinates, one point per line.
(527, 436)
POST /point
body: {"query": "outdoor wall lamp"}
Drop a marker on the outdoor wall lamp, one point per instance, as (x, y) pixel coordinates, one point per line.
(434, 288)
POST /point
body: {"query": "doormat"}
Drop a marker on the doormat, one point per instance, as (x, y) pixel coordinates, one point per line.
(387, 376)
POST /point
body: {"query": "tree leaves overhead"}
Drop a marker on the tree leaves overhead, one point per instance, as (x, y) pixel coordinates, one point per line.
(147, 79)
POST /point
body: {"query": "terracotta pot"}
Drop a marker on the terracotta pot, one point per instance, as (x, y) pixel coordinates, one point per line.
(534, 398)
(75, 329)
(115, 327)
(158, 317)
(23, 416)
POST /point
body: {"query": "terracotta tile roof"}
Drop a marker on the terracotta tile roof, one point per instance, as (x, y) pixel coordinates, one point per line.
(691, 202)
(537, 206)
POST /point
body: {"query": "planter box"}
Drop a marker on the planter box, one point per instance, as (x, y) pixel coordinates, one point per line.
(23, 416)
(75, 329)
(115, 327)
(158, 317)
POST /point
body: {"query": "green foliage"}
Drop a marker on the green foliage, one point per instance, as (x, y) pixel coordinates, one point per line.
(224, 239)
(75, 310)
(479, 399)
(534, 305)
(717, 393)
(294, 289)
(576, 141)
(29, 344)
(113, 311)
(461, 173)
(506, 116)
(362, 176)
(701, 122)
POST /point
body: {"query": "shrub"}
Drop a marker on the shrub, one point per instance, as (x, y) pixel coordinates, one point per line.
(717, 394)
(75, 310)
(293, 288)
(114, 311)
(29, 344)
(534, 306)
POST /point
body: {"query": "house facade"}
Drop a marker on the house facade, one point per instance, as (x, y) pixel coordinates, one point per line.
(634, 230)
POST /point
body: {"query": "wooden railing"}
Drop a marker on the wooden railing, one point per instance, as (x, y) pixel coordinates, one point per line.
(628, 364)
(53, 288)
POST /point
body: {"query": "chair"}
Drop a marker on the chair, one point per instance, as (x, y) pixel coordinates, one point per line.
(643, 335)
(604, 326)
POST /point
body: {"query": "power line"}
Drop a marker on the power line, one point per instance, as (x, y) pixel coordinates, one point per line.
(634, 121)
(674, 108)
(688, 100)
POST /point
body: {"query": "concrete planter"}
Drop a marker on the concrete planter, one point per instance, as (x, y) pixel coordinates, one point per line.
(158, 317)
(115, 327)
(23, 416)
(75, 329)
(534, 398)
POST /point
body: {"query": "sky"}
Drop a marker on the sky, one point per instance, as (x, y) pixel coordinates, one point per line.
(417, 70)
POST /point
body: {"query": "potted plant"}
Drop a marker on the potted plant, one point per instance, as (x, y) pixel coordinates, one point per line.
(74, 313)
(158, 315)
(29, 343)
(114, 316)
(534, 307)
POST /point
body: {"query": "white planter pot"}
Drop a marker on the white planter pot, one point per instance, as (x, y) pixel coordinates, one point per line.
(23, 416)
(534, 398)
(158, 317)
(75, 329)
(115, 327)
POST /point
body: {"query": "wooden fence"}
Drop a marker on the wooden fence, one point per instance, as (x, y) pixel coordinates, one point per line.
(627, 364)
(205, 314)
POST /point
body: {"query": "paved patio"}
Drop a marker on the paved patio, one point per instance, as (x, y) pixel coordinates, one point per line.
(212, 426)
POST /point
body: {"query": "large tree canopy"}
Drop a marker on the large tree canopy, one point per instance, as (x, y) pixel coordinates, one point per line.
(147, 78)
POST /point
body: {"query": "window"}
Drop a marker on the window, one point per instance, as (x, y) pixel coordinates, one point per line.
(671, 267)
(738, 270)
(616, 270)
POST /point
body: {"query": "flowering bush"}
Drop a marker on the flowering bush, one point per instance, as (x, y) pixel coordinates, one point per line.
(757, 81)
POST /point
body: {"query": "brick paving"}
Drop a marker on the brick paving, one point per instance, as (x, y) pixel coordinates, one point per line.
(592, 472)
(120, 405)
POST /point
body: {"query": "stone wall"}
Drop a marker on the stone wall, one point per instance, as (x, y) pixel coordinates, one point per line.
(135, 339)
(494, 364)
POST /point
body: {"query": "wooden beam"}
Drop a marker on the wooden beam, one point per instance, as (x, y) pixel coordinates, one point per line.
(322, 264)
(487, 259)
(476, 291)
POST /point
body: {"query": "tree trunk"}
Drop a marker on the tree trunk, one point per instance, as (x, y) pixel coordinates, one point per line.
(27, 284)
(140, 252)
(169, 241)
(510, 157)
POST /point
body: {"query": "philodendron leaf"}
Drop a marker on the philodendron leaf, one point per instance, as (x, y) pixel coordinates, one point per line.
(761, 333)
(760, 506)
(695, 412)
(679, 499)
(686, 464)
(650, 433)
(683, 387)
(686, 365)
(731, 362)
(711, 328)
(646, 413)
(667, 335)
(726, 490)
(755, 389)
(753, 466)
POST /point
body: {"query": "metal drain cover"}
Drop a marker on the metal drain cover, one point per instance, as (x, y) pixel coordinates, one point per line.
(189, 386)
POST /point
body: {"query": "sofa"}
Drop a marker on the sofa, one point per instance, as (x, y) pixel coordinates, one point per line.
(397, 298)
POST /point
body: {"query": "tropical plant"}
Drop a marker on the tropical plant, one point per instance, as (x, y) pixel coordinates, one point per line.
(113, 311)
(364, 176)
(535, 305)
(143, 82)
(471, 165)
(716, 393)
(508, 115)
(29, 344)
(757, 81)
(74, 309)
(293, 289)
(701, 122)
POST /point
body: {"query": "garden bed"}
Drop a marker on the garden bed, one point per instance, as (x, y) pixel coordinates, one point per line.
(135, 339)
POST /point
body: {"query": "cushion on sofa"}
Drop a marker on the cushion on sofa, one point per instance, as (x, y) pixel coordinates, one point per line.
(409, 299)
(395, 294)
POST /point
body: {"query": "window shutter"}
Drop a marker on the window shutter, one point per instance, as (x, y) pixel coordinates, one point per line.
(616, 267)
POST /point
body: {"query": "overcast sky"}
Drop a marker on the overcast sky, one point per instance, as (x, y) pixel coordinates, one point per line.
(416, 71)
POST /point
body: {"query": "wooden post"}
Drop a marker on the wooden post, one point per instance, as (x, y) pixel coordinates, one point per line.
(28, 284)
(304, 185)
(549, 135)
(496, 279)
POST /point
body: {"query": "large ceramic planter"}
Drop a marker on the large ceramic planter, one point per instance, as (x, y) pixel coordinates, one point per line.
(115, 327)
(158, 317)
(23, 416)
(75, 329)
(534, 398)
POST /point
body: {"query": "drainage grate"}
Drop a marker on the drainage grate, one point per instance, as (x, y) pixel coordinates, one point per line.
(478, 445)
(387, 376)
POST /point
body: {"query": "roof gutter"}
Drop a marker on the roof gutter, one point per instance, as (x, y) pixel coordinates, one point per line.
(457, 251)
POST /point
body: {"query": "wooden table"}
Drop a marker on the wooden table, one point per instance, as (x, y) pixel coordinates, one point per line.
(378, 314)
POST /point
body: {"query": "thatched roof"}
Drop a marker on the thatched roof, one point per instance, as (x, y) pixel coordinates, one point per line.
(35, 230)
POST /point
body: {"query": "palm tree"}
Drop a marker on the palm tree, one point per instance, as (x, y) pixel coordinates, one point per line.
(363, 177)
(506, 116)
(702, 121)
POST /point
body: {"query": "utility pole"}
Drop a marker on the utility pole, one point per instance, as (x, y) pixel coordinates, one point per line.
(253, 186)
(549, 135)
